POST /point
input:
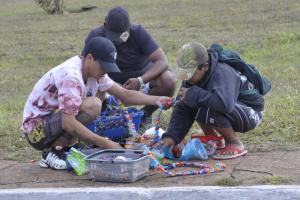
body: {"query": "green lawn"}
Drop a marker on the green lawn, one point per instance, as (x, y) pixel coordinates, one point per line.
(265, 32)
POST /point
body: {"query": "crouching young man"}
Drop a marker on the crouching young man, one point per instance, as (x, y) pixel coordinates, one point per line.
(58, 109)
(212, 96)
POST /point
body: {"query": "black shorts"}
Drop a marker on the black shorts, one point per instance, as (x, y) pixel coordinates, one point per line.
(242, 119)
(122, 77)
(46, 133)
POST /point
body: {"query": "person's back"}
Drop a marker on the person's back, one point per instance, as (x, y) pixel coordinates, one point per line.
(132, 54)
(222, 78)
(48, 91)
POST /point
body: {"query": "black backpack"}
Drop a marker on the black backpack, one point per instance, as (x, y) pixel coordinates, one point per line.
(261, 83)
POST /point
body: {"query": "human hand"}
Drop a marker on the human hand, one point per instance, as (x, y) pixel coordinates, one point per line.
(132, 84)
(165, 102)
(165, 142)
(113, 145)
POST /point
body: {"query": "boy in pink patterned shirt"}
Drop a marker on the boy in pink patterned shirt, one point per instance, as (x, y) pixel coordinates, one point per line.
(58, 109)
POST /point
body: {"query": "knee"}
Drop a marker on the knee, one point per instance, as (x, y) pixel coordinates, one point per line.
(207, 117)
(168, 82)
(92, 106)
(211, 119)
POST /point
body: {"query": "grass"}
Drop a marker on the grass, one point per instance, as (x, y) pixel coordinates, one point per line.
(265, 32)
(276, 180)
(282, 112)
(227, 181)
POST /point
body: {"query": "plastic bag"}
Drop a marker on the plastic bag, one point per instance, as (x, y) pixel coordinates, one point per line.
(194, 149)
(76, 159)
(166, 152)
(157, 159)
(210, 142)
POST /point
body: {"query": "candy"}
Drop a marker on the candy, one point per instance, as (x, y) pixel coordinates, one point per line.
(204, 169)
(130, 124)
(162, 165)
(158, 162)
(120, 158)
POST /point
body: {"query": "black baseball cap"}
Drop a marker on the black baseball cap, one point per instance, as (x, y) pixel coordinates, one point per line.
(104, 52)
(117, 24)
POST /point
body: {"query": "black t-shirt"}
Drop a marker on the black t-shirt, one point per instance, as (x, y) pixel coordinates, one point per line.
(133, 54)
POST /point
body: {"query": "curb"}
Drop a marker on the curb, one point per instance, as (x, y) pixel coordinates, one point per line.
(284, 192)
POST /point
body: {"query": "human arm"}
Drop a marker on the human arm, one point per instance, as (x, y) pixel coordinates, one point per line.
(132, 97)
(72, 126)
(70, 99)
(182, 118)
(222, 93)
(148, 47)
(159, 65)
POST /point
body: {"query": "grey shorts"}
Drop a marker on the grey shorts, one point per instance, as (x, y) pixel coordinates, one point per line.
(242, 119)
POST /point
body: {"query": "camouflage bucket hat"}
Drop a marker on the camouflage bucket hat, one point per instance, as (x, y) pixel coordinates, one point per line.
(190, 56)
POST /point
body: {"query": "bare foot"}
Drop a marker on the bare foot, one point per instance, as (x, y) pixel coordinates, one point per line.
(221, 144)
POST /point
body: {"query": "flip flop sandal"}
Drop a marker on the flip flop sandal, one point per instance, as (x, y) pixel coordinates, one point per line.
(222, 155)
(220, 145)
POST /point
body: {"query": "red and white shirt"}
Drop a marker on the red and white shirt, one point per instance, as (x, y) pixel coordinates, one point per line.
(60, 88)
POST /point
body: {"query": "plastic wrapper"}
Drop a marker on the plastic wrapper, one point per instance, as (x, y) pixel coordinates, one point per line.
(194, 149)
(76, 159)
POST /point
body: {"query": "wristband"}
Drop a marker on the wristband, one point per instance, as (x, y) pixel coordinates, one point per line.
(142, 84)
